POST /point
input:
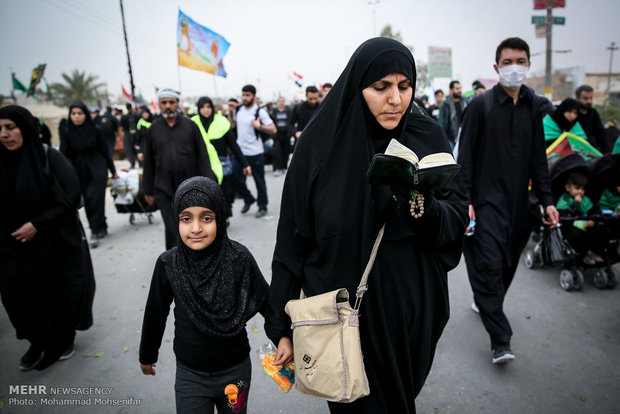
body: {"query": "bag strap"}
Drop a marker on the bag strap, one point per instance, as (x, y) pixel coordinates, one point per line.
(363, 286)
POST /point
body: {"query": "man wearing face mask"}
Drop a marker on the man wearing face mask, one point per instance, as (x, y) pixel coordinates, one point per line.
(590, 120)
(174, 151)
(451, 112)
(502, 147)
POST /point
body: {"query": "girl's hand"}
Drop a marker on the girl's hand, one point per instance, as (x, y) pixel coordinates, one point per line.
(284, 353)
(148, 369)
(25, 233)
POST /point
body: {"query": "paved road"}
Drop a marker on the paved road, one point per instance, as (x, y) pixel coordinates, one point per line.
(567, 343)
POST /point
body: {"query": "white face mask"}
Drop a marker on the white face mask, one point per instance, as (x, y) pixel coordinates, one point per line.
(512, 76)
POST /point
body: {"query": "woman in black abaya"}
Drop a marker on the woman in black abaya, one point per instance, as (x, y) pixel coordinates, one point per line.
(46, 278)
(330, 216)
(87, 150)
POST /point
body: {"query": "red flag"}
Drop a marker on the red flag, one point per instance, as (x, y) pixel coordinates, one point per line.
(298, 75)
(154, 105)
(126, 94)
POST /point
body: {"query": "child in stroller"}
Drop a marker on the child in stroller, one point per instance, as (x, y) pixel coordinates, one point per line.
(583, 235)
(579, 243)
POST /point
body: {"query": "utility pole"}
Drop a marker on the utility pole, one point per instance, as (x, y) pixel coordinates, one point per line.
(611, 49)
(133, 87)
(548, 32)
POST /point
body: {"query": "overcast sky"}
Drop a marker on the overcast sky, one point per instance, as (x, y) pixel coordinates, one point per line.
(272, 38)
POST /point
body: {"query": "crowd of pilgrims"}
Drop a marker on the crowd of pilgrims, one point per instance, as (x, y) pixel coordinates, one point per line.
(48, 187)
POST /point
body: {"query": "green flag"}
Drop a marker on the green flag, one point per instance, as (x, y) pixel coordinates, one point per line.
(17, 85)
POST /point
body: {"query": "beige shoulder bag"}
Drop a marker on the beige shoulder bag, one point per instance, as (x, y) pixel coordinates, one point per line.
(326, 340)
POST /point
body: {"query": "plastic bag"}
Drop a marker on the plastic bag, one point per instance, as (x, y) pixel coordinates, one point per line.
(555, 249)
(284, 376)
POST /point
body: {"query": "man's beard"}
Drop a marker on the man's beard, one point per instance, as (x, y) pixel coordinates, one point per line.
(456, 96)
(169, 114)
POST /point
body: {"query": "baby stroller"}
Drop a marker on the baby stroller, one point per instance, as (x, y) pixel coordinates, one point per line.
(553, 249)
(128, 197)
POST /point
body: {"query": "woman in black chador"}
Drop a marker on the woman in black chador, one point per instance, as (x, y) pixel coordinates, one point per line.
(330, 216)
(87, 149)
(46, 277)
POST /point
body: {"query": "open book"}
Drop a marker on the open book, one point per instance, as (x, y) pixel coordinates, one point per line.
(401, 165)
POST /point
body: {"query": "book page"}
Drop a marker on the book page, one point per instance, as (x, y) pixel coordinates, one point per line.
(396, 149)
(434, 160)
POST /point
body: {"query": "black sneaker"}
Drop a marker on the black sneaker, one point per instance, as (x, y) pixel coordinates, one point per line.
(502, 354)
(68, 352)
(246, 207)
(260, 213)
(31, 358)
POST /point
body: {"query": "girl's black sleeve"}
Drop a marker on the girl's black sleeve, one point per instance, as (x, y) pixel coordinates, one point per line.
(155, 314)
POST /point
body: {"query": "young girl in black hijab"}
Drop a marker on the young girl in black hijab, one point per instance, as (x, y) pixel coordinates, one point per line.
(217, 287)
(330, 216)
(87, 149)
(46, 276)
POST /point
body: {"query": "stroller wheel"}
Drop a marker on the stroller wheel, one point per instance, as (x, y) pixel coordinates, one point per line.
(530, 259)
(600, 279)
(578, 279)
(132, 219)
(566, 280)
(612, 280)
(150, 218)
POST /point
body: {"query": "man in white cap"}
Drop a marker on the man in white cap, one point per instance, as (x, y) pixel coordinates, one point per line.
(174, 151)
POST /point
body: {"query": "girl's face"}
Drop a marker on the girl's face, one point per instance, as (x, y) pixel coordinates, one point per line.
(388, 99)
(10, 135)
(206, 110)
(197, 227)
(571, 115)
(78, 117)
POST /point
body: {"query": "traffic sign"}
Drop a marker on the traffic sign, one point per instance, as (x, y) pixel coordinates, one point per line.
(543, 4)
(559, 20)
(539, 19)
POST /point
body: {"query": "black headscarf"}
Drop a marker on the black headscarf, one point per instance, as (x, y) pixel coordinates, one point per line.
(567, 105)
(206, 122)
(326, 198)
(220, 287)
(23, 179)
(82, 138)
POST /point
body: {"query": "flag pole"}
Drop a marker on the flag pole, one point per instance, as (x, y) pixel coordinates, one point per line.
(133, 87)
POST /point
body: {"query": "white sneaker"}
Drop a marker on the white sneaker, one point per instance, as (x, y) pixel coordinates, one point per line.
(474, 307)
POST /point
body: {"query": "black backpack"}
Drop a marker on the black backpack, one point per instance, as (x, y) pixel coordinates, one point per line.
(259, 133)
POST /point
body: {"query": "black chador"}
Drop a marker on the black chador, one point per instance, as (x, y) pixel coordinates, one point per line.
(47, 283)
(330, 216)
(87, 149)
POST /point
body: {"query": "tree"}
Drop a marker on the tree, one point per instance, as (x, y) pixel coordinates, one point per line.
(77, 87)
(421, 67)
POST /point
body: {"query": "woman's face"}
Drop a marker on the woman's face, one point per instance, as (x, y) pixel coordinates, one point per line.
(78, 117)
(571, 115)
(388, 99)
(10, 135)
(206, 110)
